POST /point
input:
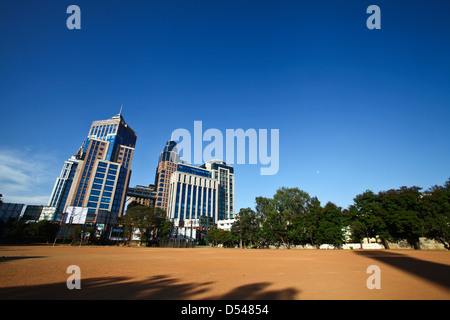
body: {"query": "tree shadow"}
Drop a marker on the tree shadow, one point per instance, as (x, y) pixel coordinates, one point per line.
(160, 287)
(431, 271)
(5, 259)
(256, 291)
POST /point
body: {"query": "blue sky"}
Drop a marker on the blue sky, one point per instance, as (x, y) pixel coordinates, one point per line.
(356, 108)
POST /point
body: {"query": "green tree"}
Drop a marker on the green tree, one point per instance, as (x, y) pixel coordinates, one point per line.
(401, 214)
(305, 225)
(18, 230)
(435, 213)
(368, 217)
(225, 238)
(279, 213)
(330, 225)
(43, 230)
(150, 221)
(246, 227)
(220, 237)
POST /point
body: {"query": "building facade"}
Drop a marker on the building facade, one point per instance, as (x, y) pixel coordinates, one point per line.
(11, 211)
(188, 192)
(62, 186)
(102, 172)
(32, 212)
(167, 165)
(141, 195)
(193, 193)
(224, 174)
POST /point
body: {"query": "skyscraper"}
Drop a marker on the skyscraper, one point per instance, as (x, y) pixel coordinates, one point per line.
(224, 174)
(167, 164)
(102, 171)
(188, 192)
(62, 186)
(193, 194)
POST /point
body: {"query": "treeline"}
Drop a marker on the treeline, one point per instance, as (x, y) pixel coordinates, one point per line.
(293, 217)
(23, 231)
(151, 222)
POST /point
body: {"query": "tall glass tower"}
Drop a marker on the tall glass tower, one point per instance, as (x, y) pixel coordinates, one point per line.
(167, 164)
(62, 187)
(224, 174)
(102, 172)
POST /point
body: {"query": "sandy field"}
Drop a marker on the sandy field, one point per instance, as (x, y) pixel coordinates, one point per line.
(40, 272)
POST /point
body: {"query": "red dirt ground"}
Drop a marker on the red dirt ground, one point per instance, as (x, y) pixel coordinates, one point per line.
(40, 272)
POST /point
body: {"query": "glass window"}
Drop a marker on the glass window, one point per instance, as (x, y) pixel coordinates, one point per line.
(93, 198)
(97, 186)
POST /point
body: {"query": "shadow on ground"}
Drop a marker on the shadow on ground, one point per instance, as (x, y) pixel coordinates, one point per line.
(159, 287)
(431, 271)
(11, 258)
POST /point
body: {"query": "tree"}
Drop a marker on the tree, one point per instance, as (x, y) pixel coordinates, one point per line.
(271, 228)
(435, 213)
(17, 230)
(211, 236)
(401, 213)
(150, 221)
(219, 236)
(278, 214)
(246, 226)
(368, 213)
(330, 225)
(305, 228)
(43, 230)
(225, 238)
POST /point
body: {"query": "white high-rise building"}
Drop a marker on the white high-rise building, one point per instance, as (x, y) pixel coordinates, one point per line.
(224, 174)
(205, 191)
(192, 194)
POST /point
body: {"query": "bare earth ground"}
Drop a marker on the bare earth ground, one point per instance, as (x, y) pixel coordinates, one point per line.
(40, 272)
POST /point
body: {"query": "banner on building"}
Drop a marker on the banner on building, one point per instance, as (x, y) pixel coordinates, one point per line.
(75, 215)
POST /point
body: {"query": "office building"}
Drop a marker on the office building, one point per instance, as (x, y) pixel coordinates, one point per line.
(193, 193)
(141, 196)
(63, 184)
(189, 192)
(224, 174)
(101, 170)
(11, 211)
(167, 165)
(32, 212)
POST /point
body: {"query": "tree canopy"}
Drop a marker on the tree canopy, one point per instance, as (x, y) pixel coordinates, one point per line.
(292, 217)
(150, 221)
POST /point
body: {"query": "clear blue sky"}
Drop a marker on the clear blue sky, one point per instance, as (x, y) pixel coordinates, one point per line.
(356, 108)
